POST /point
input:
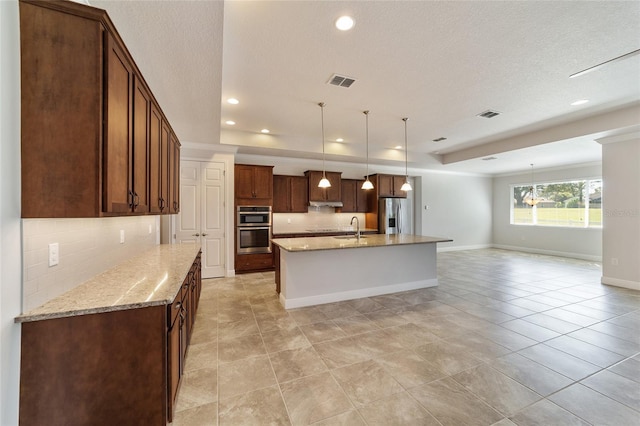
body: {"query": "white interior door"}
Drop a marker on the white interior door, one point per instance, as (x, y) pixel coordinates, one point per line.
(213, 219)
(201, 219)
(188, 220)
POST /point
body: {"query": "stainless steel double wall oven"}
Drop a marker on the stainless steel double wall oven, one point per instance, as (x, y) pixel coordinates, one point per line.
(254, 229)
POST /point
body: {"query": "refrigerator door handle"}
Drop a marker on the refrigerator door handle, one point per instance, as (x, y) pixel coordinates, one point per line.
(399, 218)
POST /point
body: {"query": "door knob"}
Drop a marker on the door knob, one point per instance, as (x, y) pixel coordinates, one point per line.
(195, 235)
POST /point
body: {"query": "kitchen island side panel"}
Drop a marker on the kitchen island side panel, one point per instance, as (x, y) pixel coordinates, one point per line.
(325, 276)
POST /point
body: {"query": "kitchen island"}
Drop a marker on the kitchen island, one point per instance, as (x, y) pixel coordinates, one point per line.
(317, 270)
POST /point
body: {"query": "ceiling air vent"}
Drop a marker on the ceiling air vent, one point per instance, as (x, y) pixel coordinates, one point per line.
(488, 114)
(440, 139)
(341, 80)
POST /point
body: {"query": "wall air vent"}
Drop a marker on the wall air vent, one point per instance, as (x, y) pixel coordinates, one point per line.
(341, 80)
(488, 114)
(489, 158)
(440, 139)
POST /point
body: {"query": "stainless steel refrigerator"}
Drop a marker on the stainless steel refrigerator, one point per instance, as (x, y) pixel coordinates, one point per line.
(395, 216)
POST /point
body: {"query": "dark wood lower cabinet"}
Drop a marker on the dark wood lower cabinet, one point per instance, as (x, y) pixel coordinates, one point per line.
(246, 263)
(114, 368)
(100, 369)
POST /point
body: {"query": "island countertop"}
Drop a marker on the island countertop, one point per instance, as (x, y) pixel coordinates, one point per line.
(150, 279)
(371, 240)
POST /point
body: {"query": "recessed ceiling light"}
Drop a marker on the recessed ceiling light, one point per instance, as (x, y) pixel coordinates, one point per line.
(397, 147)
(580, 102)
(233, 101)
(345, 23)
(264, 131)
(230, 122)
(339, 140)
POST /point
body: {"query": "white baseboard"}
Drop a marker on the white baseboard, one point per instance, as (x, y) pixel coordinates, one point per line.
(355, 294)
(550, 252)
(633, 285)
(460, 248)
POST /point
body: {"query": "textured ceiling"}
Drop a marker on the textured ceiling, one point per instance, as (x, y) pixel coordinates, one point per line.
(438, 63)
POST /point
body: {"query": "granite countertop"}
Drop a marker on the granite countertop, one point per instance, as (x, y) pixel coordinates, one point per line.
(150, 279)
(333, 243)
(320, 231)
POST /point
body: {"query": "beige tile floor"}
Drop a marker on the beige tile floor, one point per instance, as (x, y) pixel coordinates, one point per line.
(506, 338)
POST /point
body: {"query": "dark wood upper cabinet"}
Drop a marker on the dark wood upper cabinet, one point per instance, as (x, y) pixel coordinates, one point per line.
(299, 194)
(90, 136)
(174, 175)
(155, 160)
(332, 194)
(61, 110)
(253, 184)
(290, 194)
(349, 203)
(354, 198)
(389, 186)
(141, 147)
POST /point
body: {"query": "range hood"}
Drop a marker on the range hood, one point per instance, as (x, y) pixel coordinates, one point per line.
(325, 203)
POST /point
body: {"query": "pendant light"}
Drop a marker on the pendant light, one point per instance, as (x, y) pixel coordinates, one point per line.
(532, 201)
(324, 182)
(367, 183)
(406, 186)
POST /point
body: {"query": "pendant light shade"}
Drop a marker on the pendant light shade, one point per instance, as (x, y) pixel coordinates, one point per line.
(324, 182)
(406, 186)
(532, 200)
(367, 183)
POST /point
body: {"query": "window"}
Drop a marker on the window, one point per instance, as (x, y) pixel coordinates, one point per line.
(572, 204)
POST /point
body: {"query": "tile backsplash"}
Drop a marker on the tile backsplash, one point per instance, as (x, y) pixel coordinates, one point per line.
(87, 247)
(317, 218)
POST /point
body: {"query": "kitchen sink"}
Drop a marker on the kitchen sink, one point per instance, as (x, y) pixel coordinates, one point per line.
(349, 237)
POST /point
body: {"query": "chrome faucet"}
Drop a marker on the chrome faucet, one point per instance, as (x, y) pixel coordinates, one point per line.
(357, 226)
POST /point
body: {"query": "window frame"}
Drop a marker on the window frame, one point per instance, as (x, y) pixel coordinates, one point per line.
(537, 189)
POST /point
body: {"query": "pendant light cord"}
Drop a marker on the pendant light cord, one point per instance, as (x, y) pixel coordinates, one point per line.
(321, 104)
(406, 152)
(366, 115)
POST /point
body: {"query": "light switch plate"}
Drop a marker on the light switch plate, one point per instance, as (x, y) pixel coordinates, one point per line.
(54, 254)
(122, 236)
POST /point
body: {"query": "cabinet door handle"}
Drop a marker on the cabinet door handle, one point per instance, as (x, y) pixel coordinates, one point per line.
(131, 199)
(161, 203)
(204, 235)
(178, 305)
(196, 235)
(175, 206)
(136, 198)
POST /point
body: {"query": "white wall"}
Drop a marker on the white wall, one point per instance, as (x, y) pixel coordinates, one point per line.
(621, 211)
(10, 247)
(581, 243)
(456, 206)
